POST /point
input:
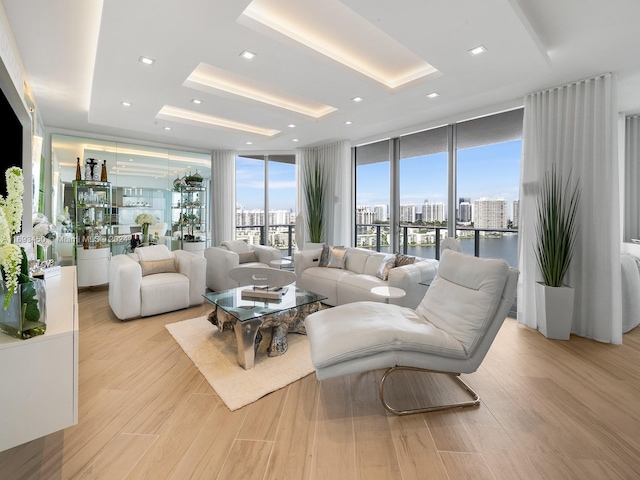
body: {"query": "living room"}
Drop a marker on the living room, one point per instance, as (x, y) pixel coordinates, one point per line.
(551, 409)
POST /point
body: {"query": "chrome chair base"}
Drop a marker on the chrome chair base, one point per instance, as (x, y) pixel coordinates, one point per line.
(455, 376)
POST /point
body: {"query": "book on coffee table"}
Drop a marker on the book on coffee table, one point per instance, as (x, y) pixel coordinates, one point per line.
(265, 292)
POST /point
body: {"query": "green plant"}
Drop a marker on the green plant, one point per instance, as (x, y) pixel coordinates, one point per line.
(314, 192)
(557, 227)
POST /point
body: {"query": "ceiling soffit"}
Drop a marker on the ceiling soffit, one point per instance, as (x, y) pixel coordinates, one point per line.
(334, 30)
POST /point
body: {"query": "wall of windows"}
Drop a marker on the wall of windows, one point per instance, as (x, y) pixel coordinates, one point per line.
(423, 179)
(373, 196)
(461, 179)
(266, 200)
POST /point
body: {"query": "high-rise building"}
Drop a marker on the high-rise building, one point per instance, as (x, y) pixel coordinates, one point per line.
(364, 215)
(490, 213)
(433, 212)
(459, 216)
(407, 213)
(465, 212)
(515, 214)
(380, 213)
(279, 217)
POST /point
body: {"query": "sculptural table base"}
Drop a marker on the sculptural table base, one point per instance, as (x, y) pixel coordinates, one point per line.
(249, 332)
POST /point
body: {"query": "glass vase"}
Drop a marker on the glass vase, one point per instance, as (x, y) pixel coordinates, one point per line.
(26, 315)
(145, 234)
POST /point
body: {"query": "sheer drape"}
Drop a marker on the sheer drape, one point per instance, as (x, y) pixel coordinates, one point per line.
(575, 127)
(223, 196)
(632, 178)
(336, 159)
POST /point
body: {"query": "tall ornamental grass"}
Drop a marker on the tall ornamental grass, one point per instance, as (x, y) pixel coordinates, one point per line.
(557, 227)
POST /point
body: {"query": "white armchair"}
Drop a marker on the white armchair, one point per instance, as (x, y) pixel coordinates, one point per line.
(154, 280)
(234, 254)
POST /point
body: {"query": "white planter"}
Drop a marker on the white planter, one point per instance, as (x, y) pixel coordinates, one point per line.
(311, 245)
(554, 309)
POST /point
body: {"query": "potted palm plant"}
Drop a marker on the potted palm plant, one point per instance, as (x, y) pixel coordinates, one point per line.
(556, 232)
(314, 193)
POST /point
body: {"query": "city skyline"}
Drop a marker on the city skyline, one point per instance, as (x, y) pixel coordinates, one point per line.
(478, 177)
(489, 171)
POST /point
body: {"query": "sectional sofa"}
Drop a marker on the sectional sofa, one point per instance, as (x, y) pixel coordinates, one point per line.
(353, 280)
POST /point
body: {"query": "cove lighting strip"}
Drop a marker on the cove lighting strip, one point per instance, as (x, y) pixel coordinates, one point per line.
(211, 77)
(168, 112)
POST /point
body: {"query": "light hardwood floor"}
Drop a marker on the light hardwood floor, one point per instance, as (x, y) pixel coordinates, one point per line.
(550, 410)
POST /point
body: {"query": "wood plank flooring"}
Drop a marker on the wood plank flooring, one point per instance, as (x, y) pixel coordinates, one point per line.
(550, 410)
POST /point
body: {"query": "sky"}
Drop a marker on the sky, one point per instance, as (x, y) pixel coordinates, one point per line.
(250, 184)
(491, 171)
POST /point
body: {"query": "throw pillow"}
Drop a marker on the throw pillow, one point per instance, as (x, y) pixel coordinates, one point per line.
(385, 267)
(337, 257)
(151, 267)
(402, 259)
(324, 256)
(246, 257)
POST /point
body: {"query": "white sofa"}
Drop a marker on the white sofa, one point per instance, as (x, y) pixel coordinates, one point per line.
(630, 291)
(154, 280)
(231, 255)
(354, 282)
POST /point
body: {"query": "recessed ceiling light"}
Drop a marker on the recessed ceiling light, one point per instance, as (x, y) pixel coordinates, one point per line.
(248, 55)
(478, 50)
(146, 60)
(126, 104)
(131, 159)
(294, 140)
(348, 122)
(357, 99)
(249, 143)
(291, 125)
(433, 95)
(167, 128)
(196, 101)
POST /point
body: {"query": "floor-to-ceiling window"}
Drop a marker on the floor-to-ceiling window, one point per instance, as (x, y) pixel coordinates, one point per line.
(281, 188)
(266, 183)
(463, 176)
(423, 190)
(488, 179)
(373, 196)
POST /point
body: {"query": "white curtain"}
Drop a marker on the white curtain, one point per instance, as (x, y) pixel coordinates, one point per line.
(631, 176)
(336, 159)
(223, 196)
(575, 127)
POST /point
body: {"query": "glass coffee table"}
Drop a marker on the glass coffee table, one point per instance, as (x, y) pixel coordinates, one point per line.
(247, 316)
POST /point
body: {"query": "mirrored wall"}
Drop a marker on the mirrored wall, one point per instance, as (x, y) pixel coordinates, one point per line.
(632, 180)
(142, 180)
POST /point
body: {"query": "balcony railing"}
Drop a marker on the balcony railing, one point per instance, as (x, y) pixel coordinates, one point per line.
(427, 243)
(376, 236)
(281, 236)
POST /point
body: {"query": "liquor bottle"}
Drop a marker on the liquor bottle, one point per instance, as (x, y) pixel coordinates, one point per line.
(103, 173)
(78, 171)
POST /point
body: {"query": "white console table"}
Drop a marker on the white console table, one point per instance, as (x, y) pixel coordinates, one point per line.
(39, 376)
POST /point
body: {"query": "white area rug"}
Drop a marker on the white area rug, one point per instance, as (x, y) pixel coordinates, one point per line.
(215, 355)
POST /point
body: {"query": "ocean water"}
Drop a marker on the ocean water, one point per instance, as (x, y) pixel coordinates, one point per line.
(499, 247)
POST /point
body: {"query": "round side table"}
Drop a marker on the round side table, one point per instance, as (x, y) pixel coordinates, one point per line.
(279, 263)
(388, 292)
